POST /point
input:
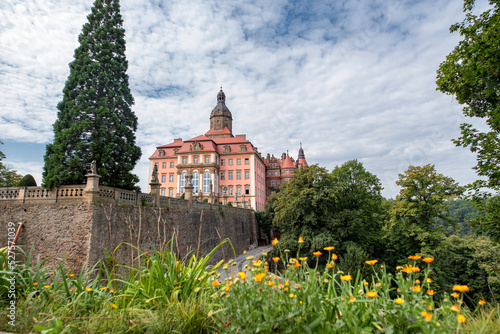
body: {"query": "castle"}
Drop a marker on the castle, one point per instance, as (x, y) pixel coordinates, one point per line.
(222, 164)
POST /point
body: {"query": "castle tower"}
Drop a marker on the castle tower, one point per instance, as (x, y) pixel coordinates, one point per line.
(221, 117)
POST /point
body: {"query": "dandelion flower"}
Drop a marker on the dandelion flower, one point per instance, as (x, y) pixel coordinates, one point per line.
(371, 294)
(244, 252)
(371, 262)
(427, 259)
(291, 295)
(88, 289)
(318, 253)
(275, 241)
(301, 240)
(329, 248)
(399, 300)
(346, 278)
(461, 318)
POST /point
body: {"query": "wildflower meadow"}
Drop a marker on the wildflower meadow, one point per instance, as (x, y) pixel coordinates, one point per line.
(289, 293)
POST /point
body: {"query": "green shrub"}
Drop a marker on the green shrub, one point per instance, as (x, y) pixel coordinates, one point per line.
(27, 181)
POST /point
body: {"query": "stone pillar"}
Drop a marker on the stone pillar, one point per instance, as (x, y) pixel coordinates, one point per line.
(224, 199)
(92, 188)
(155, 190)
(188, 192)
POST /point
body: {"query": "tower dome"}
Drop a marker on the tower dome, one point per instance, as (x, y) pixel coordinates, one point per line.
(221, 117)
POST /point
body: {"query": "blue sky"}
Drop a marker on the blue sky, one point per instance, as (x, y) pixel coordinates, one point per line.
(348, 79)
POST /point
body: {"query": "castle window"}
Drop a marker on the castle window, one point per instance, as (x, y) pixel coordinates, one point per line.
(163, 192)
(247, 161)
(195, 159)
(163, 178)
(238, 190)
(196, 178)
(222, 176)
(238, 161)
(222, 162)
(227, 149)
(238, 175)
(164, 165)
(206, 182)
(230, 190)
(230, 161)
(184, 160)
(247, 190)
(171, 164)
(207, 159)
(171, 178)
(243, 148)
(162, 153)
(183, 182)
(230, 175)
(247, 175)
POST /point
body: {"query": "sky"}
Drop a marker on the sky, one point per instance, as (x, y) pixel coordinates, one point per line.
(348, 79)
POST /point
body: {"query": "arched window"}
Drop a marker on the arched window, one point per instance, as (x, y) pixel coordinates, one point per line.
(196, 178)
(183, 182)
(206, 182)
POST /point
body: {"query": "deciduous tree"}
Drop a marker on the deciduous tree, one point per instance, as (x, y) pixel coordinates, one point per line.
(471, 73)
(8, 177)
(95, 120)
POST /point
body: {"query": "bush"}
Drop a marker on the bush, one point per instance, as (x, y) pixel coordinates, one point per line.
(27, 181)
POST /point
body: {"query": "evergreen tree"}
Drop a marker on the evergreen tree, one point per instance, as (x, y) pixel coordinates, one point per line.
(95, 120)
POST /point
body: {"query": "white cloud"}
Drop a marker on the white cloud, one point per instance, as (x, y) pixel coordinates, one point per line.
(349, 80)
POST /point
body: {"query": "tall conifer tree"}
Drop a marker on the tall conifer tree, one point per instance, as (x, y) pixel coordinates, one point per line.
(95, 120)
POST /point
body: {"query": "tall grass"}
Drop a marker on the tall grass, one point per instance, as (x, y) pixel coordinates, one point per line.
(168, 294)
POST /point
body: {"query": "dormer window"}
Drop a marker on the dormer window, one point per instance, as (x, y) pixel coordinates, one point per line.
(161, 153)
(243, 148)
(227, 149)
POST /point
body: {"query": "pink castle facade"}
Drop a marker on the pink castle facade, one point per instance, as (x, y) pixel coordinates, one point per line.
(222, 163)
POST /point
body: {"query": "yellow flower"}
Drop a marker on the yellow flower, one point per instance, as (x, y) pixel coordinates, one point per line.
(352, 299)
(410, 269)
(455, 308)
(461, 318)
(259, 277)
(334, 256)
(291, 295)
(481, 302)
(227, 288)
(88, 289)
(242, 275)
(301, 240)
(371, 262)
(346, 278)
(71, 275)
(416, 288)
(431, 292)
(280, 286)
(35, 283)
(366, 283)
(427, 259)
(429, 280)
(48, 287)
(454, 294)
(113, 305)
(257, 263)
(275, 241)
(414, 257)
(399, 300)
(111, 290)
(427, 316)
(460, 288)
(371, 294)
(417, 280)
(276, 258)
(286, 283)
(329, 265)
(329, 248)
(102, 289)
(303, 258)
(215, 283)
(270, 283)
(296, 264)
(318, 253)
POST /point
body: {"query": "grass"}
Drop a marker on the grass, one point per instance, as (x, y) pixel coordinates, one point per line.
(167, 294)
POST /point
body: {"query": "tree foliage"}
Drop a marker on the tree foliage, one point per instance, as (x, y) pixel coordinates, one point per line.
(471, 72)
(27, 181)
(95, 120)
(422, 200)
(8, 177)
(330, 209)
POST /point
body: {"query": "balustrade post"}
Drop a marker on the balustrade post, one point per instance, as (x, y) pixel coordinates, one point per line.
(92, 188)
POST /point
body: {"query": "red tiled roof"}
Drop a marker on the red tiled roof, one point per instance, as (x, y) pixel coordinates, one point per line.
(218, 132)
(288, 163)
